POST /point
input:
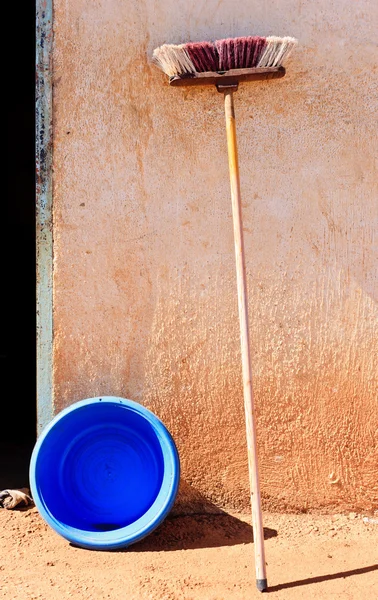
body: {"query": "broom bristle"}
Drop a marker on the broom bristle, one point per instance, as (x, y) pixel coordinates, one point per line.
(204, 56)
(276, 51)
(173, 59)
(239, 53)
(222, 55)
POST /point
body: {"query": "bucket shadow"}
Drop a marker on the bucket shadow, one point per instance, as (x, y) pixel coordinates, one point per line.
(190, 532)
(195, 522)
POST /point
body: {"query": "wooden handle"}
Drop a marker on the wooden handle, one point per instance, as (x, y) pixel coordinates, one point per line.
(258, 532)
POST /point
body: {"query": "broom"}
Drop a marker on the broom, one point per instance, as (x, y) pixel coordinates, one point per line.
(224, 63)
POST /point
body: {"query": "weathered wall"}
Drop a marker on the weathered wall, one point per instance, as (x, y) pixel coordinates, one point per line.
(145, 303)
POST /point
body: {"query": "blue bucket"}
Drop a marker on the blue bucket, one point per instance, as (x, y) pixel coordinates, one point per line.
(104, 473)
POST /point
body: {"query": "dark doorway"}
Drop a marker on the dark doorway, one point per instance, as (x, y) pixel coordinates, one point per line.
(18, 342)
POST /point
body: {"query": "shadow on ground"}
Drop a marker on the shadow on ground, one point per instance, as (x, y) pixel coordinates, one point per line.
(189, 532)
(196, 522)
(321, 578)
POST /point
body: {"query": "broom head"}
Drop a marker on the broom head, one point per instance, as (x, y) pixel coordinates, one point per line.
(225, 61)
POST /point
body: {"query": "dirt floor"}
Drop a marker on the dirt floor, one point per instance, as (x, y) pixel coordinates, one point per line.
(194, 557)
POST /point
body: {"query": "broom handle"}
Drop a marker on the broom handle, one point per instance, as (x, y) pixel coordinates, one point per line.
(258, 532)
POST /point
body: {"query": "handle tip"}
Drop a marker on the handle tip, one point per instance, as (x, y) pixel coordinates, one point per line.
(262, 584)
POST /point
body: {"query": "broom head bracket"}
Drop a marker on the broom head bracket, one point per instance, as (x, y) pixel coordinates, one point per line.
(228, 78)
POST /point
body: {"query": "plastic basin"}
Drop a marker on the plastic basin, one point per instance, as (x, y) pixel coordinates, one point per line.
(104, 473)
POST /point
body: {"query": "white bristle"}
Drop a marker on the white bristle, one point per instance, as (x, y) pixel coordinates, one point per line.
(276, 51)
(173, 59)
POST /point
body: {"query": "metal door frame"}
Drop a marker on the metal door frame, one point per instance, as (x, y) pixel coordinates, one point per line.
(44, 212)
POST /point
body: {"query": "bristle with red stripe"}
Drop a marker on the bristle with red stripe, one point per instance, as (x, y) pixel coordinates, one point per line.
(239, 53)
(204, 56)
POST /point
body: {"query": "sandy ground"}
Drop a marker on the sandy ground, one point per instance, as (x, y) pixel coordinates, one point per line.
(194, 557)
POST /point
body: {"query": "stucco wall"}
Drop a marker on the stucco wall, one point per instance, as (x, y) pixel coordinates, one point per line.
(145, 303)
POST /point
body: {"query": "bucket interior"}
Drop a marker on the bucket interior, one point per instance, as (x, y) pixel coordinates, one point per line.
(100, 467)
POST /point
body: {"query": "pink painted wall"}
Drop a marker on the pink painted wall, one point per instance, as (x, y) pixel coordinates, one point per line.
(145, 303)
